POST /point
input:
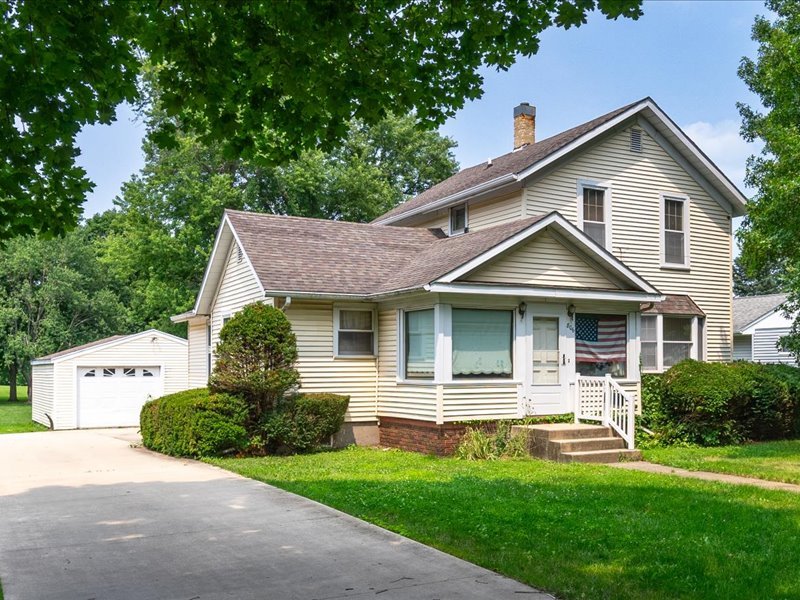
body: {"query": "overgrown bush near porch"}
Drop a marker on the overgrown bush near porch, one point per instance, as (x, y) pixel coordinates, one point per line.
(477, 444)
(714, 404)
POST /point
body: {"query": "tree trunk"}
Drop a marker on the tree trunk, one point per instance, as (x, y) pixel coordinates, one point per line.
(12, 382)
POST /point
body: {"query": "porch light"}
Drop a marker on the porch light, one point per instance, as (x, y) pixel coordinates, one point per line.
(521, 308)
(571, 310)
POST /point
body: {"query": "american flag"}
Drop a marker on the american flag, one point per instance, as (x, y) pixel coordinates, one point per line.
(600, 338)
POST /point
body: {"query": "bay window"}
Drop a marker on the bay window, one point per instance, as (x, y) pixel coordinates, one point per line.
(482, 343)
(666, 340)
(419, 344)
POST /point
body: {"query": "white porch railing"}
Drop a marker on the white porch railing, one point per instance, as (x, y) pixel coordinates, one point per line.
(602, 399)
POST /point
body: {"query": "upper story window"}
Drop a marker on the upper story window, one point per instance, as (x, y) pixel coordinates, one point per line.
(458, 219)
(594, 212)
(675, 231)
(355, 332)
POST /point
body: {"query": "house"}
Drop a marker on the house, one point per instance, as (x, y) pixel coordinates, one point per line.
(758, 323)
(106, 382)
(540, 282)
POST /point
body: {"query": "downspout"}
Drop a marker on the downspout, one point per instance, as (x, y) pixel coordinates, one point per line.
(287, 302)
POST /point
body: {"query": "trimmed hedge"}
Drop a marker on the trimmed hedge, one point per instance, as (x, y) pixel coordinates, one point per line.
(195, 423)
(713, 404)
(304, 422)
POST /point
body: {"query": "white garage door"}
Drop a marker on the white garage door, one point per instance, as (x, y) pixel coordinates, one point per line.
(113, 396)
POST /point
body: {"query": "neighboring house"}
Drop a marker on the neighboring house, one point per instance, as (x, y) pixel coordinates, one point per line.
(105, 383)
(758, 323)
(533, 284)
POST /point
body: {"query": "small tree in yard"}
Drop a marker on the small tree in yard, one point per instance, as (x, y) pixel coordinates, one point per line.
(255, 358)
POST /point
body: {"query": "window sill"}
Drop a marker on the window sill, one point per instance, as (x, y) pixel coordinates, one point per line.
(355, 356)
(675, 267)
(472, 382)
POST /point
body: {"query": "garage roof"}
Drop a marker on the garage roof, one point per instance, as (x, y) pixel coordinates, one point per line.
(102, 343)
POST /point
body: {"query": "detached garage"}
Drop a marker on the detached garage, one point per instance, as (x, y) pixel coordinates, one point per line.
(105, 383)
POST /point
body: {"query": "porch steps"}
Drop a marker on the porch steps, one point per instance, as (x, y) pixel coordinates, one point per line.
(568, 442)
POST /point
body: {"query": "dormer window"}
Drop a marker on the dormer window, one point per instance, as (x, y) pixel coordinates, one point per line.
(458, 219)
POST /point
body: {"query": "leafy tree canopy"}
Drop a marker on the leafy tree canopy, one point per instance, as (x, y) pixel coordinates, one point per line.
(765, 280)
(771, 230)
(263, 80)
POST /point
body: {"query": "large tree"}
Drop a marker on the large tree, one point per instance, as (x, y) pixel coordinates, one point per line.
(156, 244)
(771, 230)
(265, 80)
(54, 294)
(767, 279)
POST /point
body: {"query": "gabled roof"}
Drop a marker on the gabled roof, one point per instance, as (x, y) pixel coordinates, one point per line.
(516, 166)
(749, 309)
(103, 343)
(295, 256)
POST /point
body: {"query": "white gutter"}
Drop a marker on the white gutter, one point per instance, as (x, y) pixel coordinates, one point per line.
(561, 293)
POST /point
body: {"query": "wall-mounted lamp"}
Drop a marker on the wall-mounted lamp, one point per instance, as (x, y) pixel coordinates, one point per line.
(522, 308)
(571, 310)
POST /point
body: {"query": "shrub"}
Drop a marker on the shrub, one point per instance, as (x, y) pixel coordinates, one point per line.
(194, 423)
(476, 444)
(304, 422)
(700, 402)
(255, 358)
(768, 410)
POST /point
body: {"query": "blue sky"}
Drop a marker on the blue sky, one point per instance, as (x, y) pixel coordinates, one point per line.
(682, 54)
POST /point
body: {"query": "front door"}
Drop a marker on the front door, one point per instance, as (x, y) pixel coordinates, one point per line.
(551, 363)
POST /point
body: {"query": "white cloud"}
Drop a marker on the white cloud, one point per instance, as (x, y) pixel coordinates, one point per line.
(723, 144)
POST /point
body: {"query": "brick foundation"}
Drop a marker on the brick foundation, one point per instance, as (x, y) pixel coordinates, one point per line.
(424, 436)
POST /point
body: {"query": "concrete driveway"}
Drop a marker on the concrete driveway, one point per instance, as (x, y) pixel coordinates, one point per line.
(83, 515)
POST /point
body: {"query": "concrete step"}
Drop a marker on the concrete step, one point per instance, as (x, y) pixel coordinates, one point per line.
(587, 444)
(601, 456)
(563, 431)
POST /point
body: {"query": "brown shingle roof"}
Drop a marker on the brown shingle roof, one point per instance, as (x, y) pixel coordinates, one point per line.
(674, 304)
(511, 163)
(295, 254)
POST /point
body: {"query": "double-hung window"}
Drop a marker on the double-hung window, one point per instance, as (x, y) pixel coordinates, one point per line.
(419, 344)
(458, 219)
(675, 237)
(666, 340)
(355, 332)
(594, 212)
(482, 343)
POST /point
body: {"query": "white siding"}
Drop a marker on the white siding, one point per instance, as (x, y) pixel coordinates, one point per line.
(482, 215)
(765, 347)
(238, 287)
(474, 401)
(742, 347)
(636, 181)
(404, 400)
(144, 351)
(545, 262)
(198, 353)
(42, 399)
(312, 323)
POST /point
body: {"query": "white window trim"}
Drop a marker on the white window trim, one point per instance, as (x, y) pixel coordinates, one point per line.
(453, 232)
(447, 375)
(686, 265)
(660, 341)
(401, 346)
(336, 310)
(605, 187)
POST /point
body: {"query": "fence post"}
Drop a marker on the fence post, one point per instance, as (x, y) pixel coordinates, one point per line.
(607, 400)
(631, 424)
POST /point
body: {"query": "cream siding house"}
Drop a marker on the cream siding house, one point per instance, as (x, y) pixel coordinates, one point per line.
(536, 283)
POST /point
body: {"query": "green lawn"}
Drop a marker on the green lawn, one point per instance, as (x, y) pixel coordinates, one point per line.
(778, 461)
(15, 417)
(578, 531)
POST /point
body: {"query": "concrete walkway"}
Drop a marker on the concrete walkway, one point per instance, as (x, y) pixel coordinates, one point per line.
(648, 467)
(86, 516)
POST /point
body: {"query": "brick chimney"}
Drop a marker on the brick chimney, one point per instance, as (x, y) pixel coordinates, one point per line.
(524, 125)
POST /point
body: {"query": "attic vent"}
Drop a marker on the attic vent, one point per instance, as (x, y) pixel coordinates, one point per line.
(239, 254)
(636, 140)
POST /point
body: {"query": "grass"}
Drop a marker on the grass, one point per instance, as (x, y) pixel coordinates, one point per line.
(578, 531)
(15, 417)
(777, 461)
